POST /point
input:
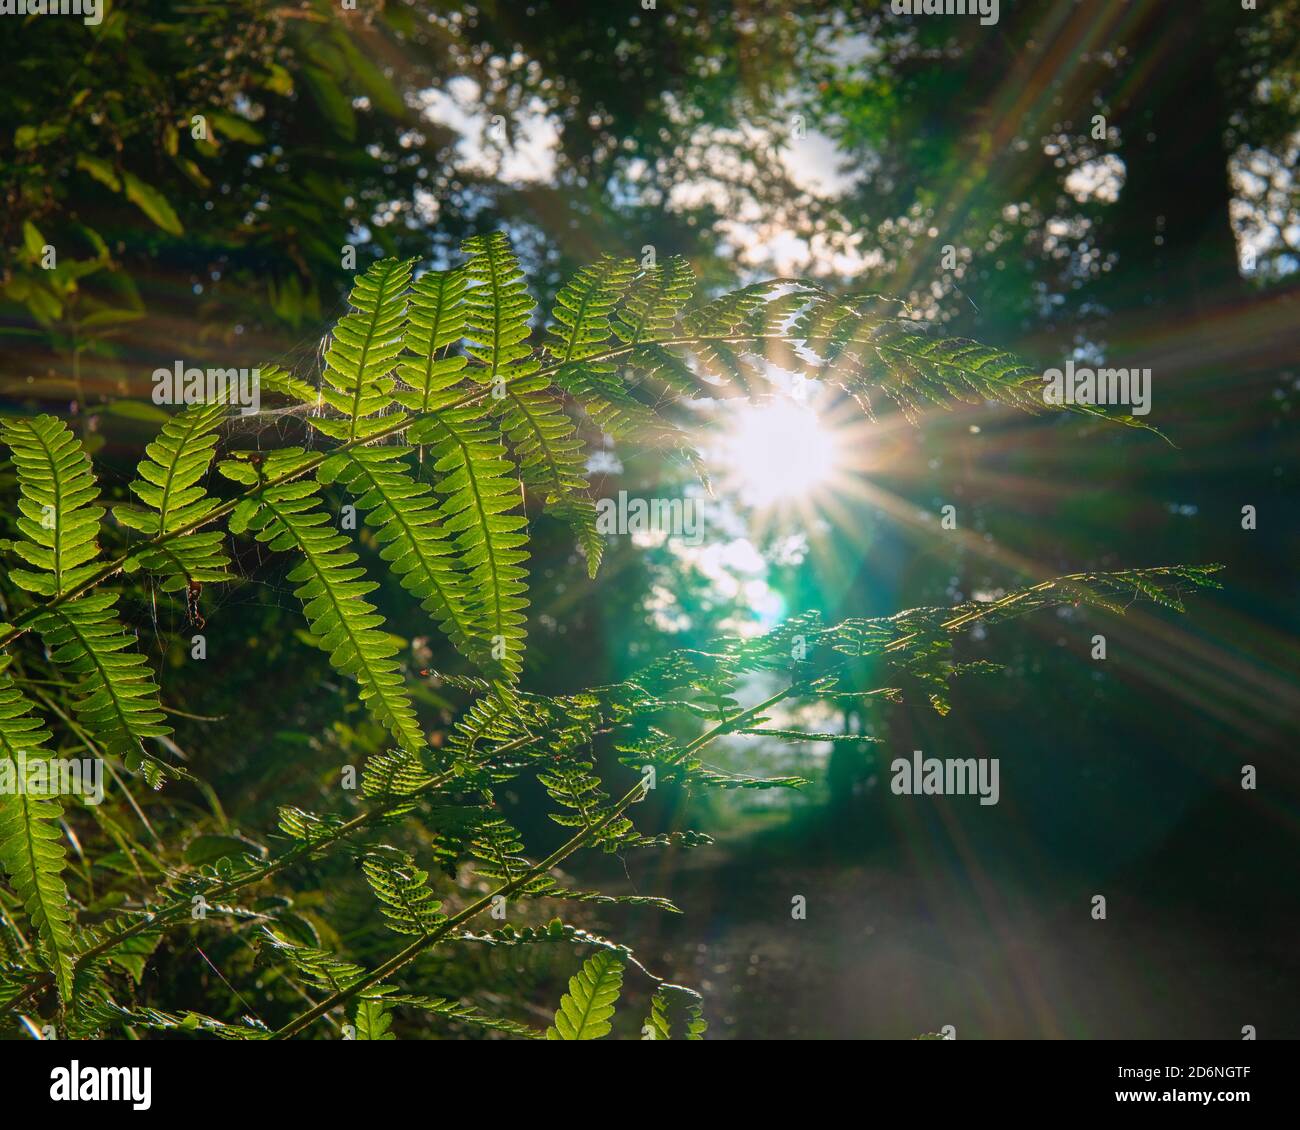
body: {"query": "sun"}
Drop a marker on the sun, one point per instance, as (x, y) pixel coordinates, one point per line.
(776, 453)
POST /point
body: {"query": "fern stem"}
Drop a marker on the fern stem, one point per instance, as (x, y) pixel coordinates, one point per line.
(166, 917)
(575, 843)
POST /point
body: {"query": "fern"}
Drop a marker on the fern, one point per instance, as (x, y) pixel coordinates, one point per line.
(587, 1009)
(362, 351)
(417, 545)
(656, 1026)
(550, 458)
(116, 698)
(31, 848)
(497, 310)
(437, 320)
(440, 417)
(408, 905)
(654, 302)
(331, 587)
(480, 492)
(168, 485)
(59, 509)
(374, 1019)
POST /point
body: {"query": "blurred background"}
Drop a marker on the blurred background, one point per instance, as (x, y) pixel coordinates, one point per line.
(1088, 179)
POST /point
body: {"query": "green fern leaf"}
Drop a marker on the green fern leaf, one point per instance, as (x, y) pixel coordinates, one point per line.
(696, 1025)
(59, 509)
(436, 322)
(728, 314)
(168, 484)
(31, 843)
(363, 350)
(657, 1025)
(655, 299)
(497, 310)
(497, 847)
(576, 789)
(551, 459)
(373, 1019)
(480, 490)
(587, 1008)
(417, 546)
(116, 699)
(407, 902)
(465, 1014)
(332, 588)
(581, 329)
(581, 315)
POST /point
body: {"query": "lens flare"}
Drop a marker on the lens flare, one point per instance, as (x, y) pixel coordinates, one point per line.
(777, 452)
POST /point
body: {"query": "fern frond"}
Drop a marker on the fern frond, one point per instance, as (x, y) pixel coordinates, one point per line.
(464, 1014)
(551, 459)
(167, 484)
(729, 313)
(116, 699)
(497, 847)
(417, 546)
(275, 379)
(653, 302)
(578, 790)
(435, 322)
(498, 307)
(174, 1022)
(656, 1025)
(582, 328)
(587, 1008)
(31, 842)
(696, 1025)
(407, 902)
(581, 315)
(332, 588)
(604, 393)
(373, 1019)
(364, 347)
(480, 490)
(321, 968)
(58, 505)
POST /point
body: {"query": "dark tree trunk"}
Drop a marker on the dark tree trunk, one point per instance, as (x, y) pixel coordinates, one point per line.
(1171, 223)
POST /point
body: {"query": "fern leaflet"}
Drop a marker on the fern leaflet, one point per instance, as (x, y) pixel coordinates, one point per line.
(168, 484)
(587, 1008)
(59, 509)
(332, 588)
(31, 842)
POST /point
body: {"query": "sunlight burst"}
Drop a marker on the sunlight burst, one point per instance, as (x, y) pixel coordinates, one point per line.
(777, 452)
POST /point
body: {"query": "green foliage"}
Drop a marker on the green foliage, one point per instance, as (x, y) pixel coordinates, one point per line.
(31, 845)
(331, 587)
(168, 485)
(374, 1019)
(116, 698)
(362, 351)
(416, 542)
(587, 1009)
(58, 503)
(408, 905)
(437, 418)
